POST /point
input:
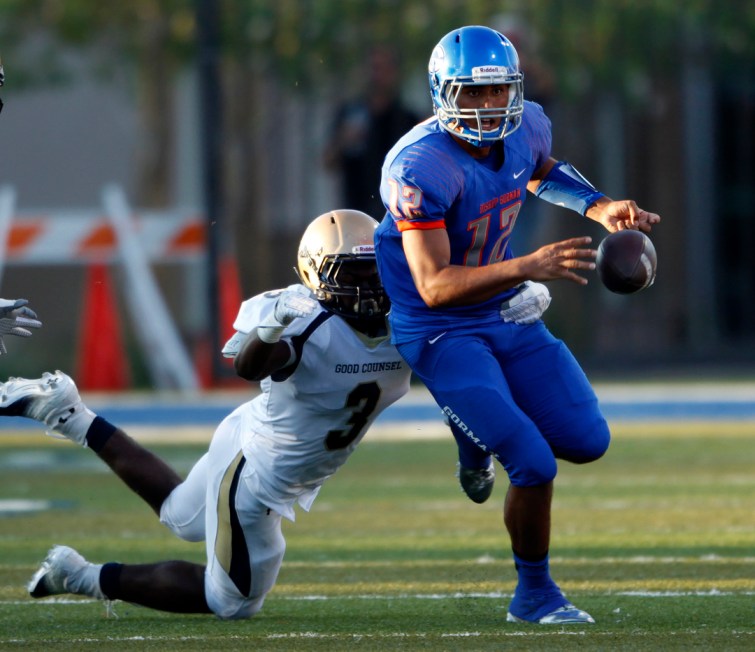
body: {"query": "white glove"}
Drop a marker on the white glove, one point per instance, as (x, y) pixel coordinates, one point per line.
(16, 319)
(289, 306)
(528, 305)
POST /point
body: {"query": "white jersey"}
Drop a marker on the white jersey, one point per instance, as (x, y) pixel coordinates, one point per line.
(312, 413)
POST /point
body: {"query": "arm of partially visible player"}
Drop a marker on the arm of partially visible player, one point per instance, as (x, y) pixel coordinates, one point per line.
(16, 319)
(559, 183)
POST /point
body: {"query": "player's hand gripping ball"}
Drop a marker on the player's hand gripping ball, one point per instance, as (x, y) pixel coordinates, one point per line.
(626, 261)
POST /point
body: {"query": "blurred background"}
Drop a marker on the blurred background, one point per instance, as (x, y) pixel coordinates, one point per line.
(218, 128)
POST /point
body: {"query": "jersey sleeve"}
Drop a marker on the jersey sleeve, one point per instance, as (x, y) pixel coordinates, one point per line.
(251, 313)
(421, 183)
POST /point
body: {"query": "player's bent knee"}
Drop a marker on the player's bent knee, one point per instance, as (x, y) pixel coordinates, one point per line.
(246, 609)
(191, 529)
(592, 446)
(534, 475)
(231, 606)
(185, 518)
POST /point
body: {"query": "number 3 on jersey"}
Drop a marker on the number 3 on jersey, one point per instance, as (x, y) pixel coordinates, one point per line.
(363, 400)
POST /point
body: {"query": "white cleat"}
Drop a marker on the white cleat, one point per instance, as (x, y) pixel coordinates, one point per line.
(62, 571)
(568, 614)
(52, 399)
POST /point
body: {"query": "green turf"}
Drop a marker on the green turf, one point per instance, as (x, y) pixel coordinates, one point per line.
(657, 541)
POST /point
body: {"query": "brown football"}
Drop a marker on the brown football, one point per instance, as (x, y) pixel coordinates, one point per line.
(626, 261)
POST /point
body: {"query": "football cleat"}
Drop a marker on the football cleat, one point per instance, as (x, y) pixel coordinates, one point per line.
(53, 400)
(65, 571)
(476, 483)
(567, 614)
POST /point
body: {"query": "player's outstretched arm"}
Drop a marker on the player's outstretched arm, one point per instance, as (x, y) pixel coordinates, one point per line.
(559, 261)
(263, 351)
(16, 319)
(621, 215)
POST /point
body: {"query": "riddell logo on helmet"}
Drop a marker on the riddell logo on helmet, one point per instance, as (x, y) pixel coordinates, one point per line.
(363, 249)
(489, 70)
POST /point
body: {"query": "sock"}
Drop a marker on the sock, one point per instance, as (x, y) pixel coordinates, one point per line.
(86, 581)
(99, 432)
(534, 574)
(110, 579)
(536, 593)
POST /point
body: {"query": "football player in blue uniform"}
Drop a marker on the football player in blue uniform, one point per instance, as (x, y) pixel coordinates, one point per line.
(466, 311)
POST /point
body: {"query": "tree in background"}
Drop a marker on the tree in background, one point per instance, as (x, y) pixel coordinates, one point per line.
(618, 62)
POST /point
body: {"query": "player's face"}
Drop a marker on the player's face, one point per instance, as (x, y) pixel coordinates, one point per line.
(490, 96)
(361, 274)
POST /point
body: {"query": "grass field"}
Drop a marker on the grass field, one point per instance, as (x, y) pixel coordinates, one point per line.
(657, 541)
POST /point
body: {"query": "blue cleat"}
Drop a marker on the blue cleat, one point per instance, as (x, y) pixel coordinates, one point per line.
(567, 614)
(546, 606)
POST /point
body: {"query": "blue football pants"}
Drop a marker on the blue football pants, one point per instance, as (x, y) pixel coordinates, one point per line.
(513, 391)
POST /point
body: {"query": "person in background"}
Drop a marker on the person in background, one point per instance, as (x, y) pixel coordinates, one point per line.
(466, 312)
(364, 129)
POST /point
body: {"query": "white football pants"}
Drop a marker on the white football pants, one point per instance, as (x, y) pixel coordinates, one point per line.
(245, 545)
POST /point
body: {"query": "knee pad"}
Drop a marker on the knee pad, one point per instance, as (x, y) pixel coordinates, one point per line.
(590, 447)
(535, 473)
(185, 521)
(228, 604)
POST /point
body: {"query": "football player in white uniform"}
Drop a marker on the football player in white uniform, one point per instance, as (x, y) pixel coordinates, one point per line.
(322, 352)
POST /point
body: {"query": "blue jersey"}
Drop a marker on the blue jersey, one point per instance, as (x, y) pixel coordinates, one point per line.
(429, 182)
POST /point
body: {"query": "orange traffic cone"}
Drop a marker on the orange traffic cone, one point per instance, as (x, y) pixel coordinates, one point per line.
(102, 363)
(230, 296)
(229, 300)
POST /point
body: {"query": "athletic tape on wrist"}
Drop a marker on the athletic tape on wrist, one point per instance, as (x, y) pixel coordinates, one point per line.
(565, 186)
(270, 334)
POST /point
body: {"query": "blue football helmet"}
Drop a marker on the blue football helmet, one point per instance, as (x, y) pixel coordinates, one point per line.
(475, 55)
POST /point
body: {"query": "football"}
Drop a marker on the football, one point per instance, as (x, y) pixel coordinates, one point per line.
(626, 261)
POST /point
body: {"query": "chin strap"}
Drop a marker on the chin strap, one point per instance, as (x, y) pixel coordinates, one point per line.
(565, 186)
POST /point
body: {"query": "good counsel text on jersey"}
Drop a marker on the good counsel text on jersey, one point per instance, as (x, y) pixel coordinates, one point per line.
(311, 414)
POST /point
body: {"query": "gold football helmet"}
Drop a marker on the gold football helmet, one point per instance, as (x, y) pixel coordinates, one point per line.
(337, 262)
